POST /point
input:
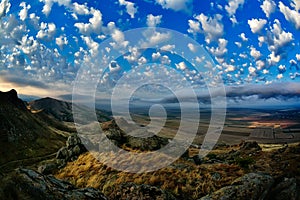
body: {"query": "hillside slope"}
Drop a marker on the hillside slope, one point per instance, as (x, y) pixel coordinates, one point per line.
(23, 135)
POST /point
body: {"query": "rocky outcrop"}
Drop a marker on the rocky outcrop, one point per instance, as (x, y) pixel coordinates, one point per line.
(285, 189)
(141, 192)
(28, 184)
(250, 146)
(11, 97)
(71, 151)
(251, 186)
(124, 136)
(254, 186)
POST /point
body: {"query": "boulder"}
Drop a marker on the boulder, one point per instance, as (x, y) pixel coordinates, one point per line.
(250, 146)
(286, 189)
(62, 153)
(146, 144)
(133, 191)
(70, 152)
(72, 141)
(47, 168)
(251, 186)
(29, 184)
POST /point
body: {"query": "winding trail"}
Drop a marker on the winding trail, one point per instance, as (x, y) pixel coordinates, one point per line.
(26, 161)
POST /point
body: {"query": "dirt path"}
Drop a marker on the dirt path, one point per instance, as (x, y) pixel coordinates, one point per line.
(24, 162)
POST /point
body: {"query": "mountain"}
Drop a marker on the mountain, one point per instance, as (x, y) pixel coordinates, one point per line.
(61, 110)
(36, 129)
(24, 136)
(57, 109)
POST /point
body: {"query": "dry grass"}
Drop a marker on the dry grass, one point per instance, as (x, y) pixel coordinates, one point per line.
(182, 178)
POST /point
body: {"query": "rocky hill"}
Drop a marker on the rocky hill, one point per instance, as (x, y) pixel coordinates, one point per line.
(61, 110)
(22, 134)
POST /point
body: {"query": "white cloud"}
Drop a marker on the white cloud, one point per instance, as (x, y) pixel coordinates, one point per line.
(233, 5)
(133, 56)
(165, 60)
(265, 71)
(293, 62)
(221, 50)
(281, 69)
(168, 47)
(296, 4)
(49, 3)
(268, 7)
(117, 36)
(28, 45)
(61, 41)
(153, 21)
(228, 67)
(212, 27)
(192, 47)
(194, 27)
(34, 20)
(256, 25)
(295, 75)
(80, 9)
(243, 37)
(292, 16)
(279, 76)
(4, 8)
(238, 44)
(23, 13)
(252, 70)
(156, 56)
(298, 57)
(261, 40)
(243, 55)
(260, 64)
(47, 31)
(255, 53)
(92, 45)
(155, 37)
(182, 66)
(280, 39)
(130, 8)
(274, 59)
(114, 67)
(176, 5)
(94, 25)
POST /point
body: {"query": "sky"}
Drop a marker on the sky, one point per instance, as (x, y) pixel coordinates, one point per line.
(255, 44)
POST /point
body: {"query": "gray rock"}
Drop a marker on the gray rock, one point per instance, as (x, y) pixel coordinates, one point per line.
(72, 141)
(251, 186)
(141, 192)
(47, 168)
(76, 150)
(150, 143)
(62, 153)
(28, 184)
(250, 146)
(287, 189)
(61, 163)
(197, 160)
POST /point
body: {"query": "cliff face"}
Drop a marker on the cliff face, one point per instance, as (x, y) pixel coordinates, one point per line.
(11, 98)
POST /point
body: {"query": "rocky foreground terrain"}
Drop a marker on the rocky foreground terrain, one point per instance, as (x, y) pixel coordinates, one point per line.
(47, 160)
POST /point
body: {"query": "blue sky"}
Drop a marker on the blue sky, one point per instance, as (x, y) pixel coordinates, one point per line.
(255, 44)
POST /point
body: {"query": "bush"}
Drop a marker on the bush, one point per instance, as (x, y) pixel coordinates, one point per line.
(244, 162)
